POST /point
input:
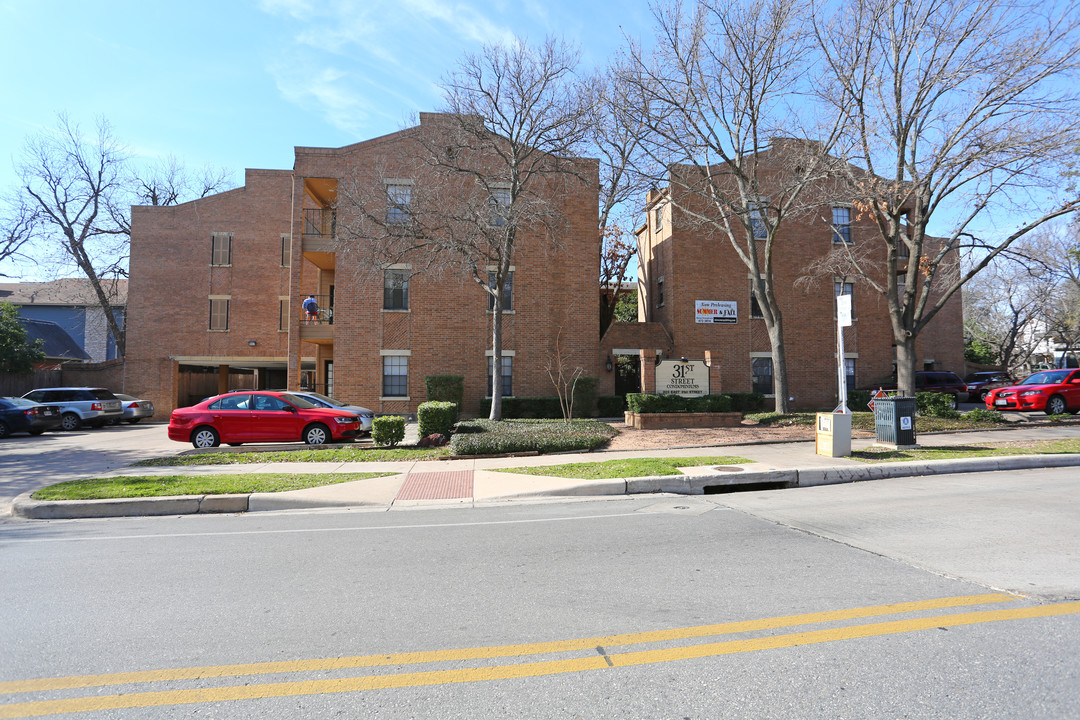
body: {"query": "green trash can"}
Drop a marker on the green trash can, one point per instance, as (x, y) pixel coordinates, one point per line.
(894, 421)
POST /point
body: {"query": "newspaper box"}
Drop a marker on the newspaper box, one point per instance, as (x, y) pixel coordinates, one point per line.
(834, 434)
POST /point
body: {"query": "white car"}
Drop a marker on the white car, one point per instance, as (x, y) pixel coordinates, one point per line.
(365, 415)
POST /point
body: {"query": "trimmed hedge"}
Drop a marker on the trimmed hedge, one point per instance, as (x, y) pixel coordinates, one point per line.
(436, 417)
(445, 388)
(647, 403)
(549, 407)
(491, 437)
(747, 402)
(388, 430)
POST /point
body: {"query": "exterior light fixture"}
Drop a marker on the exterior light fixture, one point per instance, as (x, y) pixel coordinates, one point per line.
(608, 365)
(252, 343)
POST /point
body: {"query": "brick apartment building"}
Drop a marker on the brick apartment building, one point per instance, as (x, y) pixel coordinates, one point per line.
(681, 263)
(216, 286)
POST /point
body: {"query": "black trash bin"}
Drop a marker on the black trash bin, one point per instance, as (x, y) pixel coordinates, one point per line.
(894, 421)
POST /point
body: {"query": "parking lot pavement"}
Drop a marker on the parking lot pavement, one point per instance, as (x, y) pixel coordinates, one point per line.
(28, 463)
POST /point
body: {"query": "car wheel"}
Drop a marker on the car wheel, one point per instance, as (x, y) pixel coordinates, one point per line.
(316, 434)
(953, 402)
(70, 421)
(1055, 405)
(132, 421)
(982, 396)
(5, 431)
(205, 437)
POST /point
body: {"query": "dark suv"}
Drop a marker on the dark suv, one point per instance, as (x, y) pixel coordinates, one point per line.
(80, 405)
(932, 382)
(981, 383)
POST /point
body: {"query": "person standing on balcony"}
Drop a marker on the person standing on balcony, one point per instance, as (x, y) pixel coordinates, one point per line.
(311, 307)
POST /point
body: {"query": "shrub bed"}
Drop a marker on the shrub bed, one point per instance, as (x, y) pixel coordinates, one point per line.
(388, 430)
(498, 437)
(447, 388)
(436, 417)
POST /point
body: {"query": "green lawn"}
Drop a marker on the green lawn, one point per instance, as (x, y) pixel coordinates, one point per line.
(322, 455)
(630, 467)
(164, 485)
(1040, 447)
(865, 421)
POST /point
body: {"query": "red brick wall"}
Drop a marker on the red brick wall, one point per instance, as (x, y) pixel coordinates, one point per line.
(447, 327)
(700, 264)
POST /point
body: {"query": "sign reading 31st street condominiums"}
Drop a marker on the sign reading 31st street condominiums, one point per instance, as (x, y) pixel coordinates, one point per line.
(716, 311)
(674, 377)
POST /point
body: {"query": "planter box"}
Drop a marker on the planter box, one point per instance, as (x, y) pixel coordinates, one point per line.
(667, 421)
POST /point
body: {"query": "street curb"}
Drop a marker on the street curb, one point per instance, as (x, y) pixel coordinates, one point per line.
(26, 507)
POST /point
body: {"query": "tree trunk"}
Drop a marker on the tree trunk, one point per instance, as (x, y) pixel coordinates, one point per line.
(779, 361)
(905, 364)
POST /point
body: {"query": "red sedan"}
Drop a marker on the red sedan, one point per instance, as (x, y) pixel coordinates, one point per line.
(257, 416)
(1052, 391)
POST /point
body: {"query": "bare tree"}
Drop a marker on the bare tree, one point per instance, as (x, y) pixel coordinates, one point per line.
(719, 89)
(16, 228)
(489, 171)
(1005, 308)
(74, 184)
(960, 113)
(618, 130)
(564, 376)
(74, 205)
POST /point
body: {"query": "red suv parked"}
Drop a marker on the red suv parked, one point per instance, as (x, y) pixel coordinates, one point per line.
(259, 416)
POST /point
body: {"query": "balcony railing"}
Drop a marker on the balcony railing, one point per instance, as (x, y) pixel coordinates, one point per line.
(320, 222)
(323, 316)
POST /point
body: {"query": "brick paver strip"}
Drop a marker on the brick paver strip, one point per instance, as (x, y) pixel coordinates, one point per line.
(437, 486)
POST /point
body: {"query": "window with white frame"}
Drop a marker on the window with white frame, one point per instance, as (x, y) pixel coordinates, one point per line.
(395, 376)
(396, 289)
(398, 202)
(500, 207)
(219, 313)
(507, 385)
(841, 223)
(761, 373)
(507, 294)
(221, 248)
(658, 217)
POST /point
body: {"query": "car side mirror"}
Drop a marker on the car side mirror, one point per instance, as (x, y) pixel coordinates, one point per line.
(290, 408)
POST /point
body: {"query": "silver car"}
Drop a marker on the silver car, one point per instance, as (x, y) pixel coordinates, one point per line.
(80, 405)
(365, 415)
(134, 409)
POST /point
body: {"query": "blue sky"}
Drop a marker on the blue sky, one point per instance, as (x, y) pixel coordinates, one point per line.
(237, 84)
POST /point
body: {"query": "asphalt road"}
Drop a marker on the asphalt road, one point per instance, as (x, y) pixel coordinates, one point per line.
(591, 609)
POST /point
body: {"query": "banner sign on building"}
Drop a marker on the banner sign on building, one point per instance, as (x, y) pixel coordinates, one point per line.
(674, 377)
(716, 311)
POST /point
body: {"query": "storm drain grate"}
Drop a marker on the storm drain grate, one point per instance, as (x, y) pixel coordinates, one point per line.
(746, 487)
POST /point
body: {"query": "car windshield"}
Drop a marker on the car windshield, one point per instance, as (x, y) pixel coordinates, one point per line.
(1052, 377)
(18, 402)
(100, 394)
(298, 401)
(125, 398)
(325, 398)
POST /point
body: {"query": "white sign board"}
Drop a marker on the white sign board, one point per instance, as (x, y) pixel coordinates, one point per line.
(843, 310)
(716, 311)
(674, 377)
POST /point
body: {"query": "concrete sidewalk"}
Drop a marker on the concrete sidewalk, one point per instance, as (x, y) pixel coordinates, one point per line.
(471, 482)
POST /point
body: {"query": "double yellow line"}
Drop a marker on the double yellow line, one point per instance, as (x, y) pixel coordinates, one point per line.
(598, 658)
